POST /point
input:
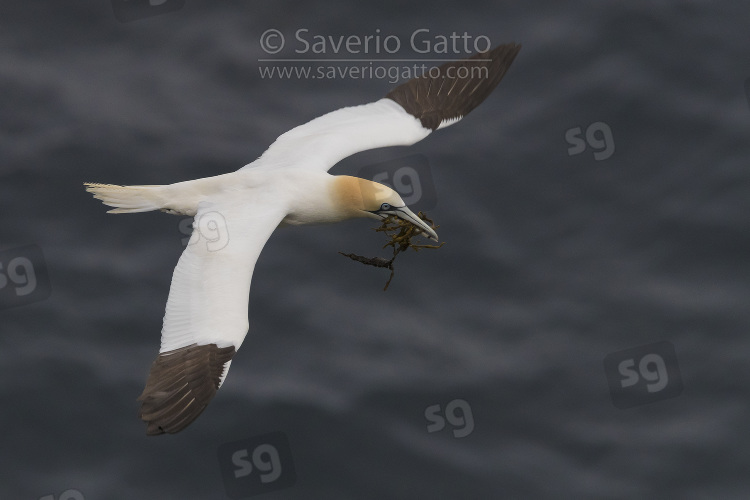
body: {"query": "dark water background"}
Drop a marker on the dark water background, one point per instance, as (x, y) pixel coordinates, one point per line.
(553, 261)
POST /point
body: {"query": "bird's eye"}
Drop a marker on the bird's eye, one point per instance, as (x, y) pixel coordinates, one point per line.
(385, 206)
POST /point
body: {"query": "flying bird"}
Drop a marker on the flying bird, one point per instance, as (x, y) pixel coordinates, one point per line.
(206, 317)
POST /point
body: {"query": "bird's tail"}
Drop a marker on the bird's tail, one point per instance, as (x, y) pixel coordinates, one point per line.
(128, 199)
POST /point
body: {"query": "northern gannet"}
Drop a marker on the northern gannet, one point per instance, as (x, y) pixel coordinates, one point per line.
(206, 316)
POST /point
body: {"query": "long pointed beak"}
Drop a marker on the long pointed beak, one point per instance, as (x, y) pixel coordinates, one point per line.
(406, 214)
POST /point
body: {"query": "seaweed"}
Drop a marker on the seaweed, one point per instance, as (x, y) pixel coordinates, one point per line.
(400, 232)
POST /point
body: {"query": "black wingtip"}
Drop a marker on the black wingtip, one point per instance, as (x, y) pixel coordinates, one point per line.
(181, 384)
(456, 88)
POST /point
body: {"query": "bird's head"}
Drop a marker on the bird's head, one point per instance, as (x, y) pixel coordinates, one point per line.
(364, 198)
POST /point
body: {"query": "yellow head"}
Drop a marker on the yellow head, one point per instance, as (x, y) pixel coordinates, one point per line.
(363, 198)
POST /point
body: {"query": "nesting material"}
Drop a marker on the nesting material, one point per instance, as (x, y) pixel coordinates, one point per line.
(401, 233)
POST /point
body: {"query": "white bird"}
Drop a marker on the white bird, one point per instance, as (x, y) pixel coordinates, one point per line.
(206, 316)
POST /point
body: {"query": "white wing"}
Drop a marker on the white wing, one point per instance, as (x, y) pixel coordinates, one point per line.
(206, 315)
(409, 113)
(322, 142)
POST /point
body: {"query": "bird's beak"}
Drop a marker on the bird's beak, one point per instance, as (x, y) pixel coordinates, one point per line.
(407, 215)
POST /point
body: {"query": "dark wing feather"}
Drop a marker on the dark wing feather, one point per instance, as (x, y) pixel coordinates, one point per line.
(450, 92)
(180, 386)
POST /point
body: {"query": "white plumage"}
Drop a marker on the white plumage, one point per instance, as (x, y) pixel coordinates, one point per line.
(206, 316)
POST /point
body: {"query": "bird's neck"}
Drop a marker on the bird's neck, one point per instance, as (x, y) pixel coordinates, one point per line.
(330, 199)
(347, 194)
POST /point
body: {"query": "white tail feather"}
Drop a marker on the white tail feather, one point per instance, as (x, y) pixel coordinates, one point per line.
(128, 199)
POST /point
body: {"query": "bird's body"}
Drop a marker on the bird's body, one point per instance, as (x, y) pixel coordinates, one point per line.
(206, 316)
